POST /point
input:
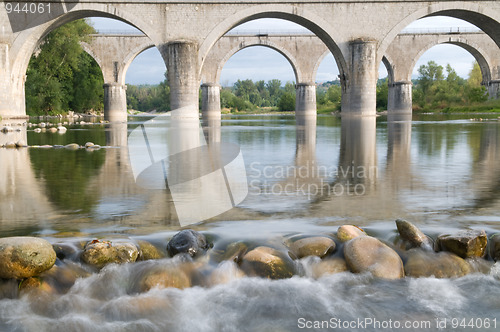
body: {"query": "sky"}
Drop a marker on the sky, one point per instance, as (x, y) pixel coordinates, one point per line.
(261, 63)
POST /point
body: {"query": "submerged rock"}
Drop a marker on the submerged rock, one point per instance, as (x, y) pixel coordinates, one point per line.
(72, 146)
(328, 266)
(233, 252)
(440, 265)
(99, 253)
(465, 243)
(368, 254)
(413, 235)
(24, 257)
(164, 277)
(187, 241)
(349, 232)
(313, 246)
(268, 263)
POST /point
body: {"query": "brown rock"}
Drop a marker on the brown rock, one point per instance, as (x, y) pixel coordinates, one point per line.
(149, 251)
(349, 232)
(495, 247)
(440, 265)
(413, 235)
(368, 254)
(313, 246)
(268, 263)
(164, 277)
(465, 243)
(328, 266)
(99, 253)
(24, 257)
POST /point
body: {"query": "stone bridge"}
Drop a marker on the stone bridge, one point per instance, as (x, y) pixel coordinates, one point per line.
(305, 52)
(356, 32)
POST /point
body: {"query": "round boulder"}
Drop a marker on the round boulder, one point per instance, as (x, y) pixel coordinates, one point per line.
(24, 257)
(414, 236)
(164, 277)
(368, 254)
(268, 263)
(328, 266)
(99, 253)
(349, 232)
(187, 241)
(440, 265)
(313, 246)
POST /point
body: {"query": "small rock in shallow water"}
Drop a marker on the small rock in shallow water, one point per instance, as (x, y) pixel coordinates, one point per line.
(413, 235)
(313, 246)
(349, 232)
(368, 254)
(99, 253)
(89, 144)
(465, 243)
(10, 145)
(164, 277)
(21, 144)
(268, 263)
(233, 252)
(440, 265)
(72, 146)
(24, 257)
(187, 241)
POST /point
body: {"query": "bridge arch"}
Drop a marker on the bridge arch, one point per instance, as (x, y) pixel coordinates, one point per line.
(475, 50)
(27, 40)
(473, 13)
(281, 50)
(309, 20)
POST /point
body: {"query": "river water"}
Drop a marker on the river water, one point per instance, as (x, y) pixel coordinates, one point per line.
(304, 177)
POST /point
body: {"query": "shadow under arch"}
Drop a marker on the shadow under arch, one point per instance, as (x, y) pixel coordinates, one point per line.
(289, 57)
(286, 12)
(462, 10)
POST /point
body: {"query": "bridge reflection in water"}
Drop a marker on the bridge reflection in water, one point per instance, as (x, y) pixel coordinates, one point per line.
(374, 175)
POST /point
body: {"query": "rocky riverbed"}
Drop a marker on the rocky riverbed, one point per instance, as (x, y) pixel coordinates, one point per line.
(191, 258)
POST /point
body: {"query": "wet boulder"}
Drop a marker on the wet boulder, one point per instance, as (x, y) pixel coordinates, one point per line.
(24, 257)
(464, 243)
(163, 277)
(313, 246)
(440, 265)
(414, 236)
(187, 241)
(233, 252)
(328, 266)
(495, 247)
(368, 254)
(268, 263)
(147, 251)
(99, 253)
(349, 232)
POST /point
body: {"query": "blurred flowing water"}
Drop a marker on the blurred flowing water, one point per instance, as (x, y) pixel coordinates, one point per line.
(304, 177)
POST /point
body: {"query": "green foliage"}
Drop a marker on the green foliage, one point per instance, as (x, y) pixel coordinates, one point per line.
(61, 76)
(147, 98)
(287, 102)
(432, 90)
(382, 94)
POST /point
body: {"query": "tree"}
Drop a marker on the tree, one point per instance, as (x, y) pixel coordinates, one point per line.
(61, 76)
(430, 73)
(287, 102)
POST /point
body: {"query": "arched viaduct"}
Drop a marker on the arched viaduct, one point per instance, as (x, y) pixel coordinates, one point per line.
(356, 32)
(114, 54)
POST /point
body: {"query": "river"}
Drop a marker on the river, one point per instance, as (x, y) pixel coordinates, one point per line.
(441, 172)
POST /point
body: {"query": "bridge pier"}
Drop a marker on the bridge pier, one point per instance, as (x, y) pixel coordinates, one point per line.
(361, 86)
(305, 99)
(494, 89)
(115, 102)
(400, 98)
(182, 65)
(210, 101)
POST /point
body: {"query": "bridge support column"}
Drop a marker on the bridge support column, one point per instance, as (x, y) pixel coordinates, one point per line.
(210, 101)
(115, 102)
(305, 100)
(182, 70)
(361, 88)
(400, 98)
(494, 89)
